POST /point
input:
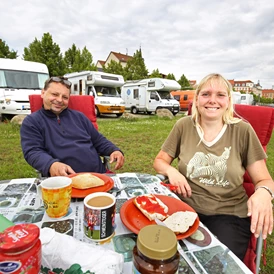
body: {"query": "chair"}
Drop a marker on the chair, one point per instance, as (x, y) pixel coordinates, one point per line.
(83, 103)
(261, 119)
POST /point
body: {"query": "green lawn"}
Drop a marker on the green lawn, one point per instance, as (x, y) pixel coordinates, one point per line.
(140, 140)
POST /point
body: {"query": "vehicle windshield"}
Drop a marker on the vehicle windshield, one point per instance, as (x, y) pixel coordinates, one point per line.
(165, 95)
(106, 92)
(22, 79)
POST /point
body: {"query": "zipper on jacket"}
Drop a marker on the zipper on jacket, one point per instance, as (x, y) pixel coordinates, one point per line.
(58, 120)
(59, 123)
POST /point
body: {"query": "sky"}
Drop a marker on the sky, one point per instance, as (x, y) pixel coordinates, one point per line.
(190, 37)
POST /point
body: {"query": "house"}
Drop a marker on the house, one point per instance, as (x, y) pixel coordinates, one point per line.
(268, 93)
(246, 86)
(114, 56)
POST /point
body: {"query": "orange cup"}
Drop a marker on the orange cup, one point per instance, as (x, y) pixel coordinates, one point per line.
(56, 195)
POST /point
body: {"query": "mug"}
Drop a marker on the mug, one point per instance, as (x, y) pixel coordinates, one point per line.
(56, 195)
(99, 216)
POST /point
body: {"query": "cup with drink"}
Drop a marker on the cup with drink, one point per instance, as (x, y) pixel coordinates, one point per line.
(99, 216)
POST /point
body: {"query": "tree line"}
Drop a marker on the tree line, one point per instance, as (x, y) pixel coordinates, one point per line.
(46, 51)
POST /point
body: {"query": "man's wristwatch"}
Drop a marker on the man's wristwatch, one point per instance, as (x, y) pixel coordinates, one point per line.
(268, 189)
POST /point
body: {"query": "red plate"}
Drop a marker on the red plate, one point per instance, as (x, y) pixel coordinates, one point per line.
(82, 193)
(134, 219)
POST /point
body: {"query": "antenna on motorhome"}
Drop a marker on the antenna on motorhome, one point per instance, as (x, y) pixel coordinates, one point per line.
(126, 51)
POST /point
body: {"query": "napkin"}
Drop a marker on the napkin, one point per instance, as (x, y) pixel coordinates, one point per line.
(60, 251)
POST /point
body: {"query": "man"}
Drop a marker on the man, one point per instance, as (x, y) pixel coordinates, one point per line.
(59, 141)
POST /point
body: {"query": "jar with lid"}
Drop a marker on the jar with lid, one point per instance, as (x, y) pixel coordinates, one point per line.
(156, 251)
(20, 249)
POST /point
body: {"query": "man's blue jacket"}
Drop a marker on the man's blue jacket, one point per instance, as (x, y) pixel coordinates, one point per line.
(69, 138)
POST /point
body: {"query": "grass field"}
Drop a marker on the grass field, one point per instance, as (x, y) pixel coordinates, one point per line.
(139, 139)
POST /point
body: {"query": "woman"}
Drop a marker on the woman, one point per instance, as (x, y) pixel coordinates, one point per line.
(214, 149)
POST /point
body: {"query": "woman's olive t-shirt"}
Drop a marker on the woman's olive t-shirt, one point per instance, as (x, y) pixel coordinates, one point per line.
(215, 172)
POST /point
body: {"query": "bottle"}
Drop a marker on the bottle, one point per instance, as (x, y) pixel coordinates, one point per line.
(156, 251)
(20, 249)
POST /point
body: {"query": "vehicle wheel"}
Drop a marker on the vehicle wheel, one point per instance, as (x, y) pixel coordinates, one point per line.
(174, 113)
(134, 110)
(97, 112)
(149, 112)
(119, 114)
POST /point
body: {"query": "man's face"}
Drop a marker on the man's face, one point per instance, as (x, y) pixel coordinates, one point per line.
(55, 97)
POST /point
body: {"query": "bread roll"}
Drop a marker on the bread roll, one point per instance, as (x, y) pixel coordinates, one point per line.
(151, 206)
(180, 221)
(86, 180)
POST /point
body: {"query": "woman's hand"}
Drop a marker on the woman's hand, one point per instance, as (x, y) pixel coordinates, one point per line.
(261, 211)
(179, 180)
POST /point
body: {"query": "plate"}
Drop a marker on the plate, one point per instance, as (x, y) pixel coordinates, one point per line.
(134, 219)
(82, 193)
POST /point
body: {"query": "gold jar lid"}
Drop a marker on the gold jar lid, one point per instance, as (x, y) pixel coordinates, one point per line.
(157, 242)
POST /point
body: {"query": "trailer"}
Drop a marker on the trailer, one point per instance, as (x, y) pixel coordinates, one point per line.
(149, 95)
(103, 87)
(19, 79)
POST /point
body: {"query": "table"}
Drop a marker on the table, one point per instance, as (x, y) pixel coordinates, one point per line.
(19, 203)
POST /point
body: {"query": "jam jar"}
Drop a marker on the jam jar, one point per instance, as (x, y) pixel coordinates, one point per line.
(156, 251)
(20, 249)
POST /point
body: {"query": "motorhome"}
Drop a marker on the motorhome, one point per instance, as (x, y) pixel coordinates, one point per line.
(149, 95)
(184, 97)
(19, 79)
(103, 87)
(236, 97)
(247, 99)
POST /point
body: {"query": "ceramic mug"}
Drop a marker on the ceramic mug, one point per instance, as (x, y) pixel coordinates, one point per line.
(99, 216)
(56, 195)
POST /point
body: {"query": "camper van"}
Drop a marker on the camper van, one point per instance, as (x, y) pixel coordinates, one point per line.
(19, 79)
(184, 97)
(236, 97)
(247, 99)
(149, 95)
(103, 87)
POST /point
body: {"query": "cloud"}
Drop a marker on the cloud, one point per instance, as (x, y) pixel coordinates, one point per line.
(235, 38)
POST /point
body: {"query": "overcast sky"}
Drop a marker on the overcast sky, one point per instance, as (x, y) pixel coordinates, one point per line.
(191, 37)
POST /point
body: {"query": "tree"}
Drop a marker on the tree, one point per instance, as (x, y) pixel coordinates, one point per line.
(114, 67)
(136, 68)
(75, 60)
(171, 76)
(47, 52)
(184, 83)
(155, 74)
(5, 51)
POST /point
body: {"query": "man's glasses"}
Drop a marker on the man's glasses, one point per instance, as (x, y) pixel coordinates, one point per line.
(62, 80)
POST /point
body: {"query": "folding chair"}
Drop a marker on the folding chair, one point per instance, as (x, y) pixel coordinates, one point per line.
(83, 103)
(261, 119)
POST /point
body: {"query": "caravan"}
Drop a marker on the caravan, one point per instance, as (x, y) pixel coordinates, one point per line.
(103, 87)
(149, 95)
(184, 97)
(19, 79)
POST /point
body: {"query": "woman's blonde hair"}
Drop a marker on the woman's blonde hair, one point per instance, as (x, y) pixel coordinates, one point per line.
(212, 78)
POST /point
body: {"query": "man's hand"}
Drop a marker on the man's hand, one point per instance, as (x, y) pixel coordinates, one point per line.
(60, 169)
(117, 157)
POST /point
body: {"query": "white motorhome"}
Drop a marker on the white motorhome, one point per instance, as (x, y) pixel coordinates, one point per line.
(149, 95)
(103, 86)
(247, 99)
(236, 96)
(19, 79)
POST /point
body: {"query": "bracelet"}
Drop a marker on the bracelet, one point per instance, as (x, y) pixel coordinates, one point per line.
(268, 189)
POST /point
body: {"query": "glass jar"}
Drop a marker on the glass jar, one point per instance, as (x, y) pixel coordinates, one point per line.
(156, 251)
(20, 249)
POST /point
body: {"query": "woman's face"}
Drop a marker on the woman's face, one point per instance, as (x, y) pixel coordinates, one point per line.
(213, 100)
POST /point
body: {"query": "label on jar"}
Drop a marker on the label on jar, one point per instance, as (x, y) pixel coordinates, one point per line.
(9, 266)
